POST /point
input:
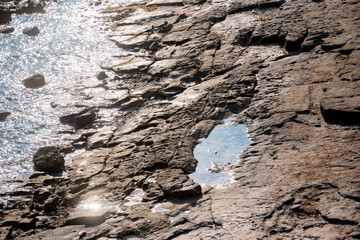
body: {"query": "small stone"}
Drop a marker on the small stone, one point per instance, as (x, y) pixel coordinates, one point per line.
(6, 30)
(31, 31)
(35, 81)
(4, 115)
(101, 75)
(49, 159)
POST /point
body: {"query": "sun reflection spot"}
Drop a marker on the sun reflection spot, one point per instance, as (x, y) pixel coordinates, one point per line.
(90, 205)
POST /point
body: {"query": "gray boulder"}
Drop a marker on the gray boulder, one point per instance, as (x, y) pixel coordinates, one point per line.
(35, 81)
(31, 31)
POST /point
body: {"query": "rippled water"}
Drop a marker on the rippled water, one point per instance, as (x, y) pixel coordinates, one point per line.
(219, 151)
(68, 52)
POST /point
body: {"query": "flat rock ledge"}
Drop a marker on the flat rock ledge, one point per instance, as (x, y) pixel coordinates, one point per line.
(288, 70)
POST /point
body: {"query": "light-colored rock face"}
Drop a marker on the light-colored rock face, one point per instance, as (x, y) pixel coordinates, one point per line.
(288, 70)
(88, 164)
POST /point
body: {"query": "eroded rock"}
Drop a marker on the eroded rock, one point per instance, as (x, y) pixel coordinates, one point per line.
(49, 159)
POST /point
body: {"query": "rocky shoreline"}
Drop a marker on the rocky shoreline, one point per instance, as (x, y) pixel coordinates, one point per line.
(288, 70)
(7, 8)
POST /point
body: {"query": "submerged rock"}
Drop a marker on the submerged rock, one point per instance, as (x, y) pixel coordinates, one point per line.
(49, 159)
(4, 115)
(6, 30)
(31, 31)
(35, 81)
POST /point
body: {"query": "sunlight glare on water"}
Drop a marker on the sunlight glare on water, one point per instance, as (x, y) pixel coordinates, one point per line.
(68, 52)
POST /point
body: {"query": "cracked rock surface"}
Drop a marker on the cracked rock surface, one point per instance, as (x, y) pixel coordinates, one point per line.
(287, 69)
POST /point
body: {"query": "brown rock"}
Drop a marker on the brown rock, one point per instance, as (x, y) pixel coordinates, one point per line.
(49, 159)
(4, 115)
(174, 183)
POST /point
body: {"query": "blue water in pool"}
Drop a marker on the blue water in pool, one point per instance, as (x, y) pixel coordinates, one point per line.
(68, 52)
(222, 146)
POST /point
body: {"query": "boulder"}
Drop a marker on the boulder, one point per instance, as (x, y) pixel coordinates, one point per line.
(6, 30)
(49, 159)
(70, 118)
(4, 115)
(85, 119)
(35, 81)
(175, 183)
(31, 31)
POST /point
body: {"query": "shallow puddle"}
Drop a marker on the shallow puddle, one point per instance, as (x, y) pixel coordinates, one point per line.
(177, 217)
(134, 198)
(217, 153)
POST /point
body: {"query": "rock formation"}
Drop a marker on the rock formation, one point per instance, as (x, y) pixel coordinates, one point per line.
(288, 70)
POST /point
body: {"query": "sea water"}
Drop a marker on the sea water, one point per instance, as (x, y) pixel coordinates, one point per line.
(68, 51)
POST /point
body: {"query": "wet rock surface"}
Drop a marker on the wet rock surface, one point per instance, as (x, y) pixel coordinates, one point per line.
(49, 159)
(288, 70)
(4, 115)
(31, 31)
(6, 30)
(35, 81)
